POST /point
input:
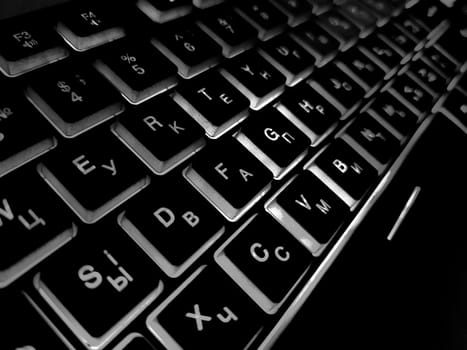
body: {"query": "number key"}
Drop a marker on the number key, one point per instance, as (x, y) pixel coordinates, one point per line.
(341, 28)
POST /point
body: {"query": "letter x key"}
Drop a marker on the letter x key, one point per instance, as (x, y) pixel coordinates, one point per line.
(198, 317)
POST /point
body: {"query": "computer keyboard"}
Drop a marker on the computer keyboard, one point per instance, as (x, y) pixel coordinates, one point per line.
(180, 174)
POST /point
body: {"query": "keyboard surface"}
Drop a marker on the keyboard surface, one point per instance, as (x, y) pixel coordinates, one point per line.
(182, 174)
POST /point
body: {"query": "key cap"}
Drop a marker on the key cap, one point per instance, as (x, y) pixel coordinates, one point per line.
(338, 88)
(33, 223)
(213, 102)
(310, 112)
(362, 69)
(162, 11)
(345, 168)
(397, 40)
(274, 140)
(186, 45)
(341, 28)
(229, 30)
(26, 45)
(262, 15)
(394, 115)
(160, 221)
(17, 314)
(382, 54)
(93, 180)
(374, 140)
(316, 41)
(24, 135)
(73, 97)
(410, 27)
(161, 133)
(265, 260)
(360, 15)
(455, 108)
(451, 43)
(134, 341)
(297, 11)
(137, 69)
(256, 78)
(85, 26)
(429, 13)
(382, 8)
(208, 311)
(428, 77)
(434, 57)
(87, 280)
(309, 210)
(288, 57)
(229, 177)
(416, 96)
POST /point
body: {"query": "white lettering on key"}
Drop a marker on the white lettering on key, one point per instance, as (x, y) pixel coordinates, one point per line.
(37, 220)
(281, 254)
(176, 128)
(229, 315)
(245, 174)
(165, 216)
(92, 279)
(111, 167)
(151, 121)
(266, 75)
(303, 202)
(119, 282)
(198, 317)
(226, 99)
(247, 69)
(340, 165)
(323, 206)
(261, 256)
(203, 92)
(221, 170)
(6, 211)
(190, 218)
(83, 165)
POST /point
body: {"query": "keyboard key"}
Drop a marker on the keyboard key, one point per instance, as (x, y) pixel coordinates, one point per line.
(26, 45)
(359, 14)
(85, 26)
(73, 97)
(33, 223)
(24, 134)
(338, 88)
(229, 177)
(347, 169)
(389, 111)
(185, 44)
(381, 53)
(265, 260)
(455, 107)
(85, 281)
(289, 58)
(397, 40)
(213, 102)
(410, 27)
(310, 112)
(137, 69)
(274, 140)
(297, 11)
(160, 221)
(161, 133)
(427, 76)
(340, 27)
(416, 96)
(266, 18)
(229, 30)
(452, 42)
(373, 138)
(256, 78)
(162, 11)
(134, 341)
(381, 8)
(316, 41)
(23, 327)
(93, 180)
(429, 13)
(309, 210)
(208, 311)
(440, 61)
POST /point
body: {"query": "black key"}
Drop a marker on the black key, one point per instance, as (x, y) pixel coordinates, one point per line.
(461, 84)
(393, 113)
(340, 27)
(338, 88)
(359, 14)
(161, 133)
(362, 69)
(230, 177)
(266, 254)
(398, 40)
(381, 53)
(455, 107)
(274, 140)
(317, 41)
(85, 26)
(33, 223)
(24, 134)
(452, 42)
(213, 102)
(411, 28)
(73, 97)
(415, 95)
(429, 13)
(87, 279)
(310, 211)
(207, 312)
(94, 175)
(440, 61)
(266, 18)
(380, 7)
(289, 58)
(428, 76)
(26, 45)
(162, 11)
(297, 11)
(134, 341)
(229, 29)
(374, 138)
(159, 221)
(310, 111)
(347, 169)
(185, 44)
(137, 69)
(256, 78)
(23, 327)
